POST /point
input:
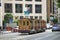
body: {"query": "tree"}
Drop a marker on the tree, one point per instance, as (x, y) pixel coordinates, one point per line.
(7, 17)
(15, 21)
(55, 20)
(58, 5)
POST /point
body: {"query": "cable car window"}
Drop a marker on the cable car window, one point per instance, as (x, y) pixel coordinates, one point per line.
(20, 22)
(31, 23)
(23, 22)
(27, 23)
(35, 22)
(38, 21)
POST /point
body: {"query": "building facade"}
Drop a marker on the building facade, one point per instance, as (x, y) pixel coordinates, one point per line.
(0, 14)
(51, 9)
(17, 8)
(55, 9)
(39, 9)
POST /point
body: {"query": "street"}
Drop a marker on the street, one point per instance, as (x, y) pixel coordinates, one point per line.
(48, 35)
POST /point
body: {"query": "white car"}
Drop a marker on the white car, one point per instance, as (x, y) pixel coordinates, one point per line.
(48, 26)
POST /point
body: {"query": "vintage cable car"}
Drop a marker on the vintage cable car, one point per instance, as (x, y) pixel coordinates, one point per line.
(31, 25)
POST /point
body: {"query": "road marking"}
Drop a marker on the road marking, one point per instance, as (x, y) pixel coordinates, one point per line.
(49, 35)
(43, 37)
(34, 36)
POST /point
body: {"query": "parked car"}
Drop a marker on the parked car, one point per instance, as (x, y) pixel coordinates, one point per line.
(48, 26)
(15, 29)
(56, 28)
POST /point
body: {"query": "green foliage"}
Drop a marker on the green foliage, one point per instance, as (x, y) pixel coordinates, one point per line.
(58, 3)
(5, 21)
(7, 17)
(55, 21)
(16, 21)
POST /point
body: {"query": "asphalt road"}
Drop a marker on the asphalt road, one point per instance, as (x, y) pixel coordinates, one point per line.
(48, 35)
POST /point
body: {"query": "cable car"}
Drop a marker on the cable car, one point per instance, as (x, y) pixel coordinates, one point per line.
(31, 25)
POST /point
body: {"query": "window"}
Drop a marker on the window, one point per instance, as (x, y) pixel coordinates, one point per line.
(27, 23)
(18, 0)
(20, 22)
(35, 22)
(38, 8)
(36, 17)
(26, 16)
(40, 17)
(28, 0)
(38, 0)
(0, 4)
(8, 7)
(24, 23)
(51, 6)
(21, 17)
(19, 8)
(30, 7)
(31, 17)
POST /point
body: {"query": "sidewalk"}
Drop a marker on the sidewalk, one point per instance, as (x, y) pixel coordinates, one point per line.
(4, 32)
